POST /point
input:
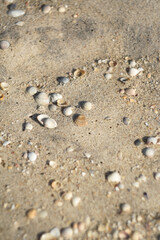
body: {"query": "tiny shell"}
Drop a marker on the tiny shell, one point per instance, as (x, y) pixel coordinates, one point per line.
(55, 97)
(20, 23)
(32, 156)
(55, 232)
(4, 86)
(151, 140)
(126, 120)
(43, 214)
(61, 9)
(52, 164)
(87, 106)
(79, 73)
(41, 117)
(81, 226)
(1, 96)
(112, 63)
(47, 236)
(31, 214)
(132, 64)
(130, 91)
(67, 196)
(76, 201)
(15, 13)
(125, 207)
(123, 80)
(49, 123)
(67, 111)
(148, 152)
(81, 121)
(56, 185)
(137, 236)
(62, 103)
(157, 176)
(133, 71)
(31, 90)
(108, 76)
(52, 107)
(67, 233)
(46, 9)
(4, 45)
(63, 80)
(114, 177)
(42, 98)
(28, 126)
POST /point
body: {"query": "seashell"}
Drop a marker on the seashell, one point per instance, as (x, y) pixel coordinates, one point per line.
(20, 23)
(47, 236)
(56, 185)
(1, 97)
(67, 233)
(32, 156)
(69, 149)
(31, 214)
(49, 123)
(76, 201)
(87, 155)
(15, 13)
(31, 90)
(4, 45)
(125, 207)
(126, 120)
(55, 97)
(8, 1)
(55, 232)
(137, 142)
(41, 117)
(112, 63)
(67, 196)
(141, 178)
(123, 80)
(28, 126)
(108, 76)
(132, 64)
(75, 228)
(41, 98)
(52, 107)
(67, 111)
(58, 203)
(61, 9)
(43, 214)
(63, 80)
(4, 86)
(46, 9)
(62, 103)
(148, 152)
(81, 226)
(114, 177)
(52, 164)
(79, 73)
(81, 121)
(151, 140)
(130, 91)
(87, 106)
(6, 143)
(133, 71)
(157, 176)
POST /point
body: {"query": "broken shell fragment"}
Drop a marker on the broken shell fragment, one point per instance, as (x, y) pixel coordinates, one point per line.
(4, 86)
(45, 9)
(157, 175)
(79, 73)
(151, 140)
(67, 196)
(67, 233)
(15, 13)
(130, 91)
(47, 236)
(56, 185)
(32, 156)
(1, 97)
(114, 177)
(112, 63)
(28, 126)
(31, 214)
(52, 107)
(55, 232)
(76, 201)
(81, 121)
(133, 71)
(125, 207)
(42, 99)
(108, 76)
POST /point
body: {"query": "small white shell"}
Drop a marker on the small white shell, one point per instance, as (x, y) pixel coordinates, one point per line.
(46, 9)
(52, 107)
(130, 91)
(67, 111)
(157, 176)
(125, 207)
(55, 97)
(67, 196)
(132, 64)
(28, 126)
(47, 236)
(49, 123)
(4, 86)
(31, 90)
(151, 140)
(55, 232)
(4, 45)
(108, 76)
(52, 164)
(87, 106)
(61, 9)
(137, 236)
(76, 201)
(42, 98)
(133, 71)
(32, 156)
(41, 117)
(67, 233)
(20, 23)
(15, 13)
(87, 155)
(149, 152)
(114, 177)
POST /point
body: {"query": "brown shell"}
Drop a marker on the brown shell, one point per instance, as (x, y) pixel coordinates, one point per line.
(81, 121)
(79, 73)
(112, 63)
(62, 103)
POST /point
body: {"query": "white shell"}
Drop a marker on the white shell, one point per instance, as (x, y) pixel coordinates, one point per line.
(125, 207)
(28, 126)
(108, 76)
(67, 111)
(41, 117)
(87, 106)
(55, 97)
(114, 177)
(137, 236)
(46, 9)
(46, 121)
(67, 233)
(42, 98)
(55, 232)
(20, 23)
(15, 13)
(4, 86)
(130, 91)
(31, 90)
(43, 214)
(87, 155)
(134, 71)
(157, 176)
(76, 201)
(61, 9)
(32, 156)
(132, 64)
(52, 164)
(47, 236)
(67, 196)
(151, 140)
(148, 152)
(52, 107)
(4, 45)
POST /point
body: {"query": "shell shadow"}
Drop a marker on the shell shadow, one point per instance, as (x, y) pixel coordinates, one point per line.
(75, 116)
(34, 118)
(107, 174)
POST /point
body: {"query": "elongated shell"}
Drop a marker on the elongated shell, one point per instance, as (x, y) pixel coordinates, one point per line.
(46, 121)
(42, 98)
(15, 13)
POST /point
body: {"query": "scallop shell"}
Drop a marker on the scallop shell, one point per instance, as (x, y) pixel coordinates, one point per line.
(81, 121)
(4, 86)
(79, 73)
(46, 121)
(42, 98)
(15, 13)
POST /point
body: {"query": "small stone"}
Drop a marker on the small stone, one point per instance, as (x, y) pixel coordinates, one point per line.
(148, 152)
(28, 126)
(46, 9)
(31, 214)
(61, 9)
(125, 207)
(136, 184)
(15, 13)
(43, 214)
(126, 120)
(76, 201)
(87, 106)
(157, 176)
(52, 107)
(32, 156)
(4, 45)
(63, 80)
(58, 203)
(55, 232)
(81, 121)
(114, 177)
(31, 90)
(137, 142)
(67, 232)
(69, 149)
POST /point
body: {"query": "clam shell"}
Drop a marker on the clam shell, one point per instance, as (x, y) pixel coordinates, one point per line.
(79, 73)
(55, 232)
(108, 76)
(76, 201)
(32, 156)
(67, 233)
(56, 185)
(87, 106)
(114, 177)
(151, 140)
(55, 97)
(112, 63)
(4, 86)
(81, 121)
(134, 71)
(4, 45)
(46, 9)
(148, 152)
(47, 236)
(62, 103)
(41, 117)
(62, 9)
(15, 13)
(42, 98)
(67, 111)
(31, 90)
(46, 121)
(130, 91)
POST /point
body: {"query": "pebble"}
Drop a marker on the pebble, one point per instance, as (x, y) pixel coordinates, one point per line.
(61, 9)
(67, 196)
(32, 156)
(81, 121)
(148, 152)
(125, 207)
(52, 164)
(87, 106)
(52, 107)
(4, 44)
(42, 99)
(31, 90)
(157, 176)
(137, 142)
(130, 91)
(136, 184)
(58, 203)
(43, 214)
(108, 76)
(67, 111)
(76, 201)
(114, 177)
(63, 80)
(15, 13)
(69, 149)
(31, 214)
(151, 140)
(55, 232)
(46, 9)
(55, 97)
(67, 233)
(126, 120)
(28, 126)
